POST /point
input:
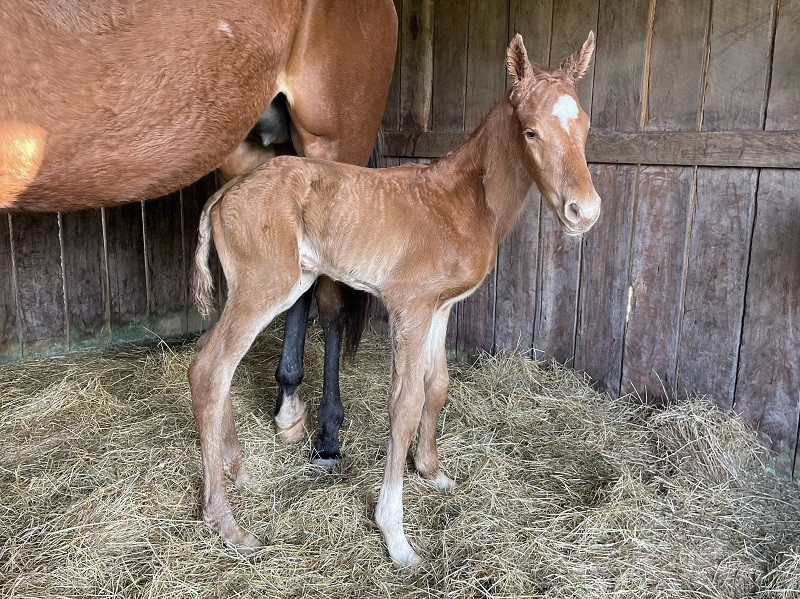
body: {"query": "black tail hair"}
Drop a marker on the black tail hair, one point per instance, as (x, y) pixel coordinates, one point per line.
(358, 304)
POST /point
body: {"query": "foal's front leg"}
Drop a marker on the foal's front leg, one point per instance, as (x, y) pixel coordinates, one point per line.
(406, 398)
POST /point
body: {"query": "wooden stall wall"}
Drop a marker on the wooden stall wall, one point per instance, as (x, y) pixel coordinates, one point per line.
(691, 279)
(85, 279)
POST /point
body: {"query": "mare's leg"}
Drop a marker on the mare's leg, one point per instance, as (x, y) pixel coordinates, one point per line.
(406, 400)
(331, 411)
(426, 458)
(290, 410)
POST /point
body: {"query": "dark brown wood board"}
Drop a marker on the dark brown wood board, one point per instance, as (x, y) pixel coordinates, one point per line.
(486, 82)
(40, 286)
(126, 272)
(622, 35)
(88, 307)
(719, 246)
(663, 203)
(517, 257)
(165, 266)
(10, 346)
(416, 64)
(558, 276)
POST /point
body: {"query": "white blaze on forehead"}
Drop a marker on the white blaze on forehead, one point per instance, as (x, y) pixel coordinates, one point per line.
(565, 109)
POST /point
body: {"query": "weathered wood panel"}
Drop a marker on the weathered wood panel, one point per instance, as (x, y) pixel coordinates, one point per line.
(736, 85)
(486, 82)
(517, 257)
(126, 272)
(623, 33)
(559, 264)
(88, 307)
(664, 197)
(416, 64)
(40, 288)
(768, 381)
(165, 266)
(10, 346)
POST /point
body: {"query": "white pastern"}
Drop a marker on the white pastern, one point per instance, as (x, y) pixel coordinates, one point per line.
(565, 109)
(389, 517)
(292, 410)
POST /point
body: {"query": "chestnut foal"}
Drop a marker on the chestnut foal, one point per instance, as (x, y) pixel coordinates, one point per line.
(419, 237)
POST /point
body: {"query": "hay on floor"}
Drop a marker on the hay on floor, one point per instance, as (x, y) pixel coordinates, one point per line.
(561, 491)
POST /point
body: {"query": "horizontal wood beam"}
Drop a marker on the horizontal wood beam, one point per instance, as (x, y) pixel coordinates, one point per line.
(755, 149)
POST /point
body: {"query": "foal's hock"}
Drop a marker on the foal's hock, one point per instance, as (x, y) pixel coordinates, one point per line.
(419, 237)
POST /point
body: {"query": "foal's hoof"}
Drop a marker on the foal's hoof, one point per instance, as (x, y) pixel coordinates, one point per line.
(242, 541)
(404, 556)
(294, 432)
(443, 482)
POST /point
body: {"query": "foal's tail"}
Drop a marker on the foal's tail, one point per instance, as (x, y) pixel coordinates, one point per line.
(202, 282)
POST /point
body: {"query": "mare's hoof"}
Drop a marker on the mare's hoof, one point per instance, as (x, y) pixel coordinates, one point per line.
(294, 432)
(329, 464)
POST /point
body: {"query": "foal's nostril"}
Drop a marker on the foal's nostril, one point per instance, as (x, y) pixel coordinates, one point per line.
(572, 212)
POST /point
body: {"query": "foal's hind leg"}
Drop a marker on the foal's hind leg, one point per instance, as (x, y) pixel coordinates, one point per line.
(426, 458)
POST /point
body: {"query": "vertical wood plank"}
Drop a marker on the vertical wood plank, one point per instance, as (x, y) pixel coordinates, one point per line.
(622, 33)
(559, 264)
(10, 347)
(736, 85)
(126, 272)
(517, 257)
(166, 302)
(486, 82)
(84, 270)
(677, 59)
(40, 286)
(768, 382)
(391, 116)
(416, 70)
(448, 97)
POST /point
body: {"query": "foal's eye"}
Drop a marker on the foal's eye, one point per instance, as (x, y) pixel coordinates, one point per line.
(531, 134)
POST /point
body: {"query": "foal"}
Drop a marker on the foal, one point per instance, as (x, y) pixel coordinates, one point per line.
(419, 237)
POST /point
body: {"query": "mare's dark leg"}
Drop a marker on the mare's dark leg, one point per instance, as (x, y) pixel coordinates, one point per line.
(290, 369)
(332, 317)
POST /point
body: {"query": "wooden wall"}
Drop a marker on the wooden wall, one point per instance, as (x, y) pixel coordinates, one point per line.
(691, 280)
(90, 278)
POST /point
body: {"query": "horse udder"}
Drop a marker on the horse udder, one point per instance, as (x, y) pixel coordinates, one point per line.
(21, 155)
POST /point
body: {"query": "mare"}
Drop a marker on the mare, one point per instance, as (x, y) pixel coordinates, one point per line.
(419, 237)
(113, 101)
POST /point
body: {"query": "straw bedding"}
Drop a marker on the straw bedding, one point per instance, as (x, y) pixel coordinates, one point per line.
(561, 491)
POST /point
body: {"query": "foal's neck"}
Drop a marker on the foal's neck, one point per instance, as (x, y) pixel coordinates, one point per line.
(490, 157)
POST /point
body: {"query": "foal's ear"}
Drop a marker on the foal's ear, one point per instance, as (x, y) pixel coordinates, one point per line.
(575, 66)
(519, 66)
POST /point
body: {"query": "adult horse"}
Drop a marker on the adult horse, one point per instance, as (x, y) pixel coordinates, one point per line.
(112, 101)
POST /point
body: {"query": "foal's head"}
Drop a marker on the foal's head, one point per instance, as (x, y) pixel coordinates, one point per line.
(552, 133)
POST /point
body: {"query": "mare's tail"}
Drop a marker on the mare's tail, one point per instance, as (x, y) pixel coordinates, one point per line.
(202, 282)
(357, 304)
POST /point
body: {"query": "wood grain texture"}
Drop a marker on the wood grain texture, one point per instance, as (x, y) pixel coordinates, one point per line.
(126, 272)
(768, 382)
(604, 279)
(622, 34)
(754, 149)
(721, 227)
(663, 203)
(560, 255)
(391, 116)
(416, 64)
(10, 346)
(88, 310)
(486, 82)
(164, 243)
(40, 286)
(517, 257)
